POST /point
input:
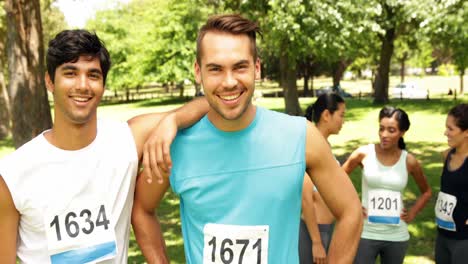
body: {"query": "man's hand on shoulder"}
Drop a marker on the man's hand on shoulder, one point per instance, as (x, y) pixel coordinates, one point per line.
(156, 151)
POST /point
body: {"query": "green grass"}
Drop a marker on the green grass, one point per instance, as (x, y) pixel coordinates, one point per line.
(425, 140)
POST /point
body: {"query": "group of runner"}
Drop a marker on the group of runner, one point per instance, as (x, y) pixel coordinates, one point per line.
(385, 169)
(68, 195)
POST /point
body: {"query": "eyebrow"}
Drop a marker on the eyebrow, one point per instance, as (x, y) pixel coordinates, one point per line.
(74, 68)
(68, 67)
(241, 62)
(213, 65)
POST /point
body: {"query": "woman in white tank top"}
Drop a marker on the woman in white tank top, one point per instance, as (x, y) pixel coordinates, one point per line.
(385, 168)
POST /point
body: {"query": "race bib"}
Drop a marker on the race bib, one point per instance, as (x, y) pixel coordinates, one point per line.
(81, 235)
(226, 244)
(384, 207)
(444, 208)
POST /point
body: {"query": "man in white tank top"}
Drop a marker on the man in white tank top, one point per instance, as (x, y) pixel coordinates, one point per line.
(66, 196)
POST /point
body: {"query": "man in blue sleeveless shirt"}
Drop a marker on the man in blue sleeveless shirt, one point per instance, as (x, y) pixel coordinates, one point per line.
(239, 170)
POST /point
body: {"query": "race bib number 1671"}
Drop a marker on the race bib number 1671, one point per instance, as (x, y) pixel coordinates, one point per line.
(226, 244)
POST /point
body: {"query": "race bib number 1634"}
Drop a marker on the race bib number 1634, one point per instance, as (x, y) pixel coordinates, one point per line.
(226, 244)
(80, 235)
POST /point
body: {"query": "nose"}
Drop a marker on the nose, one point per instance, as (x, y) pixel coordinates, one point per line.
(82, 82)
(384, 133)
(230, 80)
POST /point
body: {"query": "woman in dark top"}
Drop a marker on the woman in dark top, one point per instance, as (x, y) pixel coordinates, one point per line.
(452, 203)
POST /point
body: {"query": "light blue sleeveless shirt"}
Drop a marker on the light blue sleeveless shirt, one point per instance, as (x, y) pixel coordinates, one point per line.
(251, 177)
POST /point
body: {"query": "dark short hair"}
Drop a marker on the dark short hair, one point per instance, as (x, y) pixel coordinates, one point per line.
(326, 101)
(69, 45)
(460, 113)
(401, 117)
(233, 24)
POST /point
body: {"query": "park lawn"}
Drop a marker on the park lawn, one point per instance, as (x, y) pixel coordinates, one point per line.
(425, 140)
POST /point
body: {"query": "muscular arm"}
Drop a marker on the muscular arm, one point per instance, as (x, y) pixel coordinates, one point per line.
(185, 116)
(415, 169)
(9, 220)
(310, 219)
(145, 223)
(339, 195)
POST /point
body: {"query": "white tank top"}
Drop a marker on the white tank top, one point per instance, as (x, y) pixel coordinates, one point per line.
(376, 176)
(74, 206)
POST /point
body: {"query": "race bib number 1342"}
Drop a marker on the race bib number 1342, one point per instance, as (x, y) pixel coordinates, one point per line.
(226, 244)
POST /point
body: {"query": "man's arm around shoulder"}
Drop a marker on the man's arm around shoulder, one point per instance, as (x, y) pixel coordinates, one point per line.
(145, 222)
(9, 220)
(338, 193)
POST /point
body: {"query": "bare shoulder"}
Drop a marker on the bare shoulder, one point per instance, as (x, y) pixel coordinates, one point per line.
(412, 163)
(6, 199)
(316, 145)
(359, 154)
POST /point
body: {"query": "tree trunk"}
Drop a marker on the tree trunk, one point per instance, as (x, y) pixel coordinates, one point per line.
(462, 73)
(291, 98)
(5, 127)
(181, 89)
(5, 115)
(382, 77)
(403, 67)
(197, 89)
(338, 70)
(306, 83)
(28, 97)
(312, 92)
(402, 70)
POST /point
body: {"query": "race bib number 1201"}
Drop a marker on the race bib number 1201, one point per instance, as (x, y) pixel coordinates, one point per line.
(226, 244)
(384, 207)
(84, 235)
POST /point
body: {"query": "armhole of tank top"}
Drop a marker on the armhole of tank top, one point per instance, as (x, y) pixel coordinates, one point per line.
(370, 151)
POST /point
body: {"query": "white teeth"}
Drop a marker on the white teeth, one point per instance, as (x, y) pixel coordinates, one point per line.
(230, 97)
(80, 99)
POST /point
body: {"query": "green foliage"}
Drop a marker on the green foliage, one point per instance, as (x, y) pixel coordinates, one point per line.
(53, 21)
(446, 69)
(450, 32)
(150, 40)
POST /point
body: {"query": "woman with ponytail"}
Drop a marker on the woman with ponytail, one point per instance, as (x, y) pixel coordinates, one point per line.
(385, 170)
(316, 226)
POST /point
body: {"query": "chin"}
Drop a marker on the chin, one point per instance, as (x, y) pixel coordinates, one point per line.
(231, 115)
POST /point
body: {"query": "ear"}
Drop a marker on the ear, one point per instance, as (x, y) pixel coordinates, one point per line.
(197, 72)
(403, 133)
(326, 115)
(258, 69)
(49, 83)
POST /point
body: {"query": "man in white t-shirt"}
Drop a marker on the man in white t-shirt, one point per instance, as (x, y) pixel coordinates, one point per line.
(66, 196)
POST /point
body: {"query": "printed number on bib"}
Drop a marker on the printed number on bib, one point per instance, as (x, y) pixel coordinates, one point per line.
(226, 244)
(384, 207)
(444, 211)
(83, 235)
